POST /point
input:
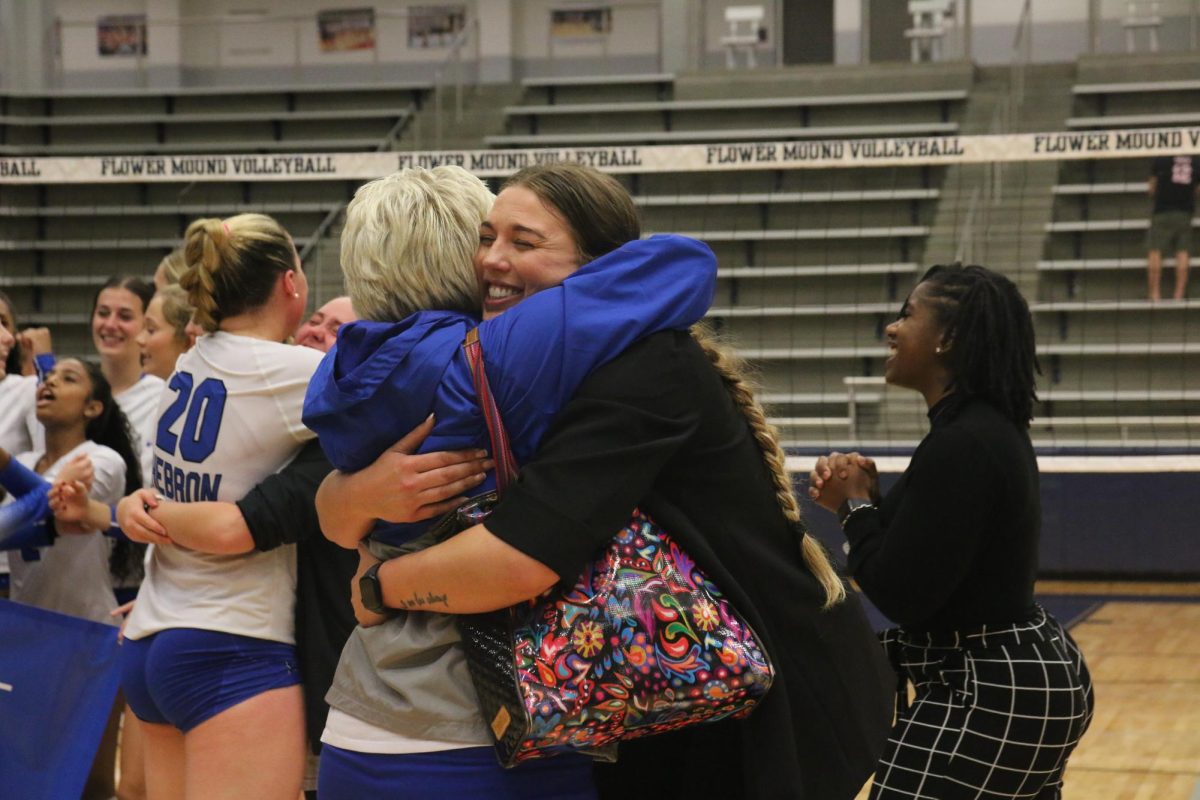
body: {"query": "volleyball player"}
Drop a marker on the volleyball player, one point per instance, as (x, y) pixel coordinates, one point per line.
(209, 662)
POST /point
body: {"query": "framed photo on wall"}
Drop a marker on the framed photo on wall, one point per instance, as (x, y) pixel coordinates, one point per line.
(121, 35)
(346, 29)
(581, 23)
(435, 26)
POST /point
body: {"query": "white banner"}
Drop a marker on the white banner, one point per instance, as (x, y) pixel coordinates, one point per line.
(824, 153)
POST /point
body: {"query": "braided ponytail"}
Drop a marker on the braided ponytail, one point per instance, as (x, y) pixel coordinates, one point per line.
(730, 367)
(203, 244)
(232, 265)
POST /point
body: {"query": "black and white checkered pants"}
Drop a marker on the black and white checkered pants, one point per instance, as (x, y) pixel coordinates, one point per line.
(996, 714)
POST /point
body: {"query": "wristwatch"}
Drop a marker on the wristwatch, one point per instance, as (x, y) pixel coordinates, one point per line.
(370, 591)
(849, 506)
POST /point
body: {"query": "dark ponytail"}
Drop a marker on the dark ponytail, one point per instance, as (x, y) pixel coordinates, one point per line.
(112, 430)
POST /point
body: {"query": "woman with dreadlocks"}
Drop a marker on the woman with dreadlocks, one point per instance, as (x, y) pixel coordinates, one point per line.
(950, 553)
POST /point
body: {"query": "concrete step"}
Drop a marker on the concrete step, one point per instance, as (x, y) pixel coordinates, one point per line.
(824, 79)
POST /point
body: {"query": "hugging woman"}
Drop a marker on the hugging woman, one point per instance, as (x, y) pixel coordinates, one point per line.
(610, 403)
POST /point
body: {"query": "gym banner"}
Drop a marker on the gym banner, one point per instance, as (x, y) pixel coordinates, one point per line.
(800, 154)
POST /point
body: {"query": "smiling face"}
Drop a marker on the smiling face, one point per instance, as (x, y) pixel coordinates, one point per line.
(116, 322)
(320, 330)
(160, 347)
(914, 339)
(524, 247)
(65, 397)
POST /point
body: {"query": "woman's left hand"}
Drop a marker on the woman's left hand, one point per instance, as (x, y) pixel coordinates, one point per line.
(69, 502)
(367, 619)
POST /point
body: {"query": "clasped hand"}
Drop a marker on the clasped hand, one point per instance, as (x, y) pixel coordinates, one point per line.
(838, 476)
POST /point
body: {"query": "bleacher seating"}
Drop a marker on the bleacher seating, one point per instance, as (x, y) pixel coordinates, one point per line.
(596, 88)
(838, 250)
(851, 115)
(59, 242)
(1117, 365)
(1164, 99)
(814, 262)
(213, 120)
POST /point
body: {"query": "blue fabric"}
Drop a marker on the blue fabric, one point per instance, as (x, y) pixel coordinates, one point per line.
(114, 530)
(184, 676)
(20, 479)
(469, 772)
(43, 363)
(58, 682)
(381, 380)
(24, 523)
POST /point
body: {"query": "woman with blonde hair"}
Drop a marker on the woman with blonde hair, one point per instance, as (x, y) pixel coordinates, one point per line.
(404, 718)
(208, 664)
(659, 420)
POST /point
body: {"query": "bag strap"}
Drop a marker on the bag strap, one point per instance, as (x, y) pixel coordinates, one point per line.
(506, 463)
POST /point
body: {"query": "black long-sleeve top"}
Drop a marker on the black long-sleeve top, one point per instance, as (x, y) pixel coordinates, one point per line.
(655, 428)
(954, 542)
(281, 510)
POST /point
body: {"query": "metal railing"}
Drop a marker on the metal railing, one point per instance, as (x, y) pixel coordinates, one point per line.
(451, 76)
(327, 222)
(1022, 56)
(1006, 116)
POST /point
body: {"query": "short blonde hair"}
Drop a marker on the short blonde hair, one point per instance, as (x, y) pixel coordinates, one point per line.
(232, 265)
(409, 243)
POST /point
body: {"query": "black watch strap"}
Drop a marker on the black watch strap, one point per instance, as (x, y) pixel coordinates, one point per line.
(370, 591)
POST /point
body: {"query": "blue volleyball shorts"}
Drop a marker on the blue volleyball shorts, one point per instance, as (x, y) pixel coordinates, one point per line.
(184, 676)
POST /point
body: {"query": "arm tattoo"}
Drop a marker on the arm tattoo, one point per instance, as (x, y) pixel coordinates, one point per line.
(419, 601)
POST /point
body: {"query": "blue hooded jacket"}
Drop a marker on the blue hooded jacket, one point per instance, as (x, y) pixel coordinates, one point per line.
(381, 380)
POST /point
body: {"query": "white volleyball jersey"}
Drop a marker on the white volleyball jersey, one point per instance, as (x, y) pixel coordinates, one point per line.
(20, 431)
(229, 418)
(71, 576)
(140, 405)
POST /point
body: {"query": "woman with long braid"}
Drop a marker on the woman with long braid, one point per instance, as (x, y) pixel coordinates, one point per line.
(670, 427)
(950, 553)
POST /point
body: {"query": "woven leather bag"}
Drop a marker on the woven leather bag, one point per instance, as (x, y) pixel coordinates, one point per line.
(642, 642)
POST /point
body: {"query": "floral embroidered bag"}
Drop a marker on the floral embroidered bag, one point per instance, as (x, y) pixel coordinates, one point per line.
(642, 643)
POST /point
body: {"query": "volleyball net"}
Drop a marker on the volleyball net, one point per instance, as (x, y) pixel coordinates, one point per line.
(818, 242)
